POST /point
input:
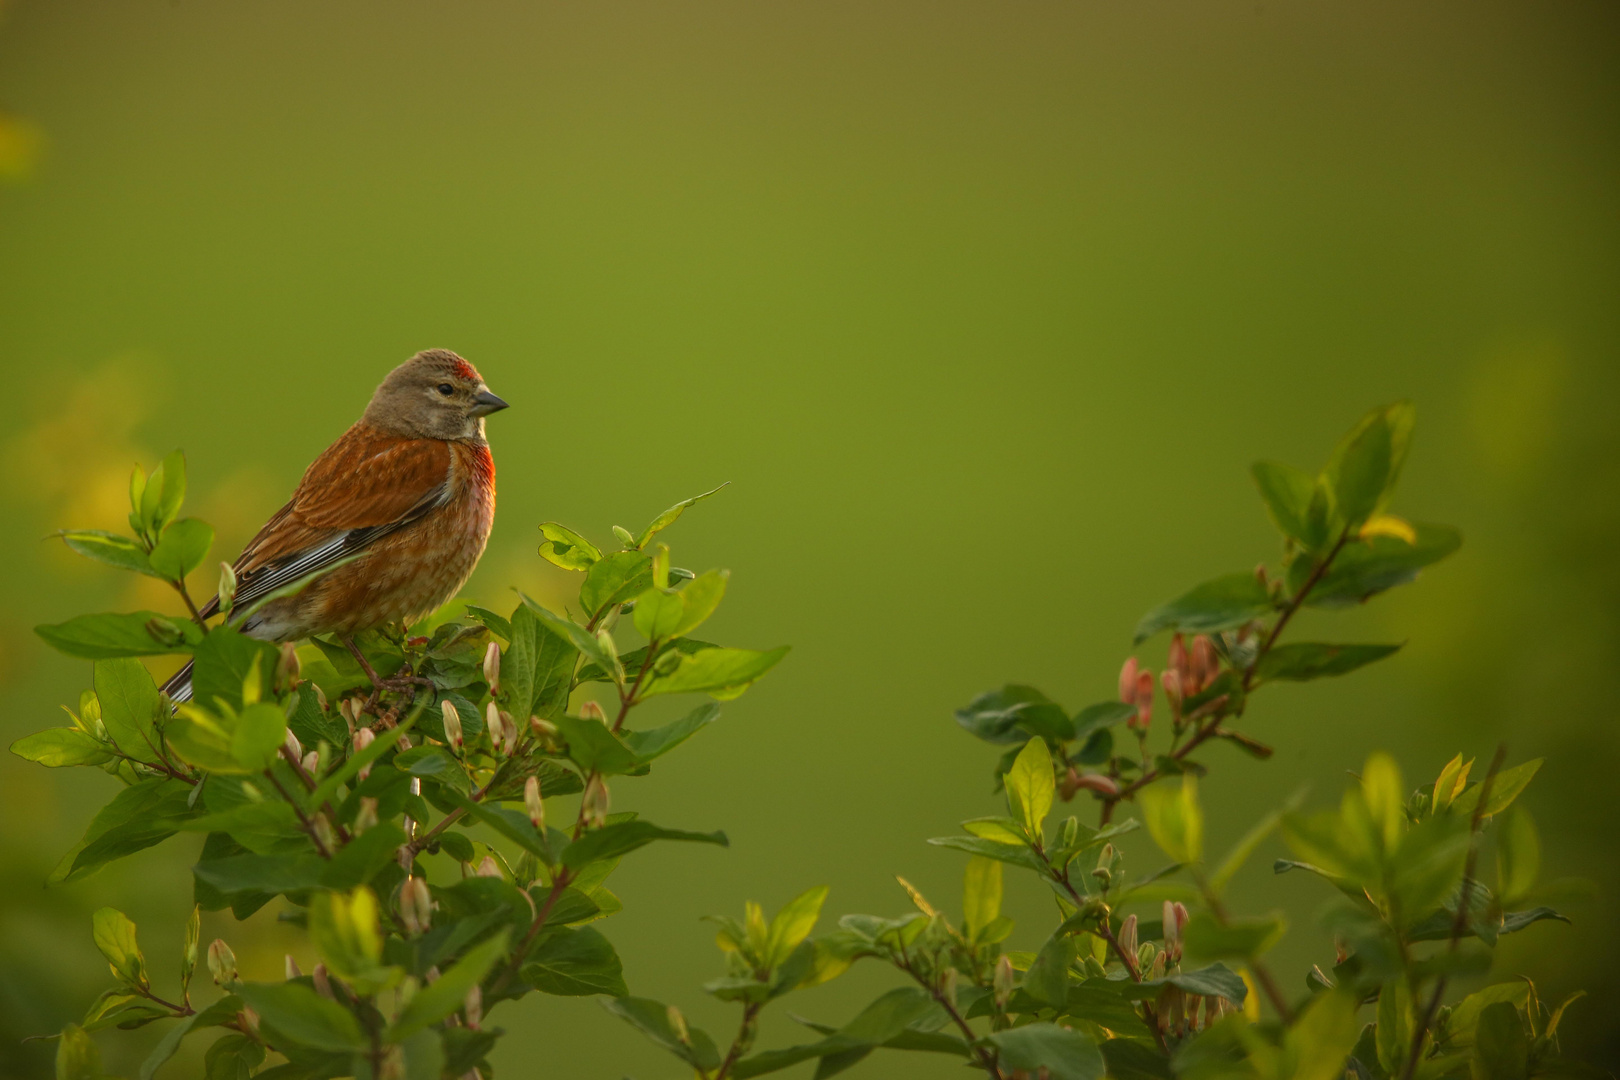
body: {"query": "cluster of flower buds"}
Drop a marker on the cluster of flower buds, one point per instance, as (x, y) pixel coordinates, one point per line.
(221, 963)
(1175, 922)
(416, 906)
(593, 804)
(533, 803)
(1136, 688)
(1181, 1014)
(452, 725)
(503, 730)
(1188, 673)
(492, 668)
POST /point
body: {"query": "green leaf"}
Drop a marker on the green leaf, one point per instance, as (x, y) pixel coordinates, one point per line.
(165, 491)
(651, 1018)
(360, 860)
(446, 994)
(1215, 605)
(352, 765)
(1016, 854)
(1062, 1053)
(793, 924)
(1286, 492)
(1241, 938)
(251, 873)
(1030, 785)
(1130, 1060)
(724, 673)
(260, 731)
(626, 836)
(1047, 980)
(130, 707)
(57, 747)
(1009, 716)
(1505, 787)
(76, 1056)
(587, 643)
(143, 814)
(511, 824)
(594, 748)
(224, 660)
(667, 518)
(658, 613)
(615, 579)
(1302, 661)
(1463, 1023)
(433, 763)
(519, 661)
(1367, 567)
(1174, 818)
(104, 637)
(1501, 1048)
(1097, 1001)
(299, 1015)
(221, 1012)
(699, 599)
(115, 937)
(232, 1057)
(183, 548)
(575, 963)
(1323, 1036)
(566, 548)
(1393, 1033)
(981, 895)
(109, 548)
(1216, 980)
(656, 742)
(1367, 463)
(1428, 865)
(1518, 856)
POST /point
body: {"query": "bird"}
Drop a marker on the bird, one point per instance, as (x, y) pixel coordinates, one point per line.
(399, 507)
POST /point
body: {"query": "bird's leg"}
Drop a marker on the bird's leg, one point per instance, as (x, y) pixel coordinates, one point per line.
(378, 683)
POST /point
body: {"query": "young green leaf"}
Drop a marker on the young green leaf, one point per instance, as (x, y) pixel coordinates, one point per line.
(1061, 1053)
(104, 637)
(57, 747)
(183, 548)
(668, 517)
(1047, 980)
(566, 548)
(981, 895)
(1505, 788)
(1367, 567)
(1030, 785)
(723, 673)
(1303, 661)
(1518, 856)
(108, 548)
(1286, 492)
(1323, 1035)
(76, 1056)
(1174, 818)
(614, 579)
(793, 924)
(297, 1015)
(655, 742)
(700, 598)
(130, 706)
(652, 1019)
(115, 937)
(575, 963)
(614, 840)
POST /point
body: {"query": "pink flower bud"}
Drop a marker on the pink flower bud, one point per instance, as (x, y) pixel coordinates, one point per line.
(363, 738)
(533, 803)
(493, 727)
(1171, 681)
(592, 711)
(323, 984)
(488, 868)
(1175, 921)
(1178, 660)
(1144, 701)
(320, 697)
(312, 762)
(594, 802)
(416, 906)
(1127, 681)
(509, 733)
(492, 667)
(1127, 936)
(1205, 664)
(294, 747)
(543, 728)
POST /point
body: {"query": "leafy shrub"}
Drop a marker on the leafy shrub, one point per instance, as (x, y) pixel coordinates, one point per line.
(1141, 977)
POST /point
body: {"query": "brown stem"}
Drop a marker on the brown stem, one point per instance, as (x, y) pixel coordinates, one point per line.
(185, 594)
(628, 701)
(1150, 1015)
(1460, 923)
(744, 1039)
(303, 819)
(987, 1060)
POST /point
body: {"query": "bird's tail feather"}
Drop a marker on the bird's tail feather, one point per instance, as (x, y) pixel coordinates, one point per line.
(179, 685)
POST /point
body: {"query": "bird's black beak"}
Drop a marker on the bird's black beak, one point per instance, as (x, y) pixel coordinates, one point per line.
(486, 403)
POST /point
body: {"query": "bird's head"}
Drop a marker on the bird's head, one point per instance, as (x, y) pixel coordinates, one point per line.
(433, 395)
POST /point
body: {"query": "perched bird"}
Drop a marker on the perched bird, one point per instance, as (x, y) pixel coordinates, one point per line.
(409, 489)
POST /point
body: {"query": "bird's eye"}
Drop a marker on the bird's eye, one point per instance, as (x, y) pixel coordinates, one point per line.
(446, 389)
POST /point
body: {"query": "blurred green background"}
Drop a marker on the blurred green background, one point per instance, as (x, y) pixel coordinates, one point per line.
(984, 309)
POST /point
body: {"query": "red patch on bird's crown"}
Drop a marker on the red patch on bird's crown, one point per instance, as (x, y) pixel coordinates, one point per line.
(466, 370)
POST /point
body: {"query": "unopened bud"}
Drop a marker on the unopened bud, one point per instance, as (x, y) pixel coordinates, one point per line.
(1205, 665)
(221, 962)
(287, 665)
(1144, 701)
(1127, 935)
(1105, 856)
(346, 710)
(488, 868)
(363, 738)
(1341, 950)
(1178, 661)
(492, 667)
(320, 697)
(366, 816)
(594, 803)
(324, 831)
(1175, 921)
(1156, 970)
(311, 763)
(292, 967)
(493, 727)
(592, 711)
(416, 906)
(1102, 785)
(249, 1021)
(1171, 681)
(452, 725)
(1070, 832)
(1002, 983)
(677, 1023)
(294, 747)
(533, 803)
(544, 728)
(947, 985)
(509, 733)
(227, 588)
(1127, 681)
(323, 984)
(164, 631)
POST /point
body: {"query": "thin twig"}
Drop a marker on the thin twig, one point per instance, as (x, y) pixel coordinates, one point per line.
(744, 1039)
